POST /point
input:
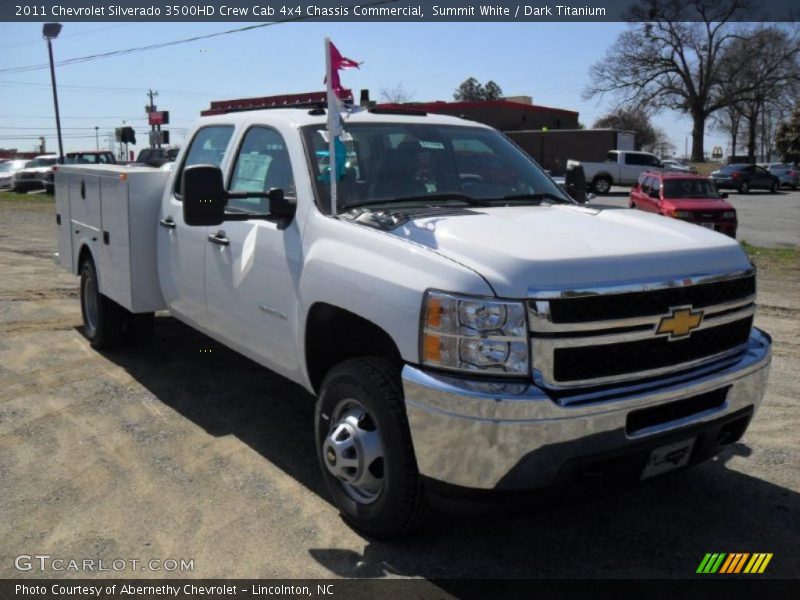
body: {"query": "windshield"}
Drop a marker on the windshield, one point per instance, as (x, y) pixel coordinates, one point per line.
(690, 188)
(387, 163)
(41, 162)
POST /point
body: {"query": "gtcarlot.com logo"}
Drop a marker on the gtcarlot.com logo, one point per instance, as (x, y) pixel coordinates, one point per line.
(734, 563)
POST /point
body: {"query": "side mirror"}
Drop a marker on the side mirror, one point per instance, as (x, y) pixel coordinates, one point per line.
(281, 208)
(575, 182)
(204, 196)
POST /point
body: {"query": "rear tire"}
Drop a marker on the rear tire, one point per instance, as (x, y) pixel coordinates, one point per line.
(744, 188)
(103, 319)
(364, 448)
(773, 188)
(601, 184)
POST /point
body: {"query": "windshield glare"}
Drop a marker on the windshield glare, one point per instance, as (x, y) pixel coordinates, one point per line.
(689, 188)
(385, 162)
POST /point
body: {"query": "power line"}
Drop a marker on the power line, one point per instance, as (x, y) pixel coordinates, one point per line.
(70, 35)
(90, 57)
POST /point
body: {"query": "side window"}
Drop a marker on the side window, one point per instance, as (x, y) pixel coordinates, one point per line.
(635, 159)
(261, 164)
(611, 157)
(207, 148)
(656, 187)
(647, 184)
(653, 161)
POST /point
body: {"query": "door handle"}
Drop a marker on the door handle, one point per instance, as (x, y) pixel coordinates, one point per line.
(219, 238)
(168, 223)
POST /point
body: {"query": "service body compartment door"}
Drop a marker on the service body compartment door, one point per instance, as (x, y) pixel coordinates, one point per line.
(114, 247)
(63, 222)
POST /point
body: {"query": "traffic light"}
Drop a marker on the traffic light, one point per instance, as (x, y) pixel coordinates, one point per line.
(128, 136)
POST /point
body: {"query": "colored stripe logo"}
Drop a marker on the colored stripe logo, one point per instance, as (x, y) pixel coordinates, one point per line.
(734, 563)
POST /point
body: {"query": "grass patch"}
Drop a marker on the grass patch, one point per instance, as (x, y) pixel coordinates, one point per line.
(777, 257)
(33, 198)
(706, 168)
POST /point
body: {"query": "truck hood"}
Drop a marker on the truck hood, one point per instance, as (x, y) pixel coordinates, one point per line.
(523, 250)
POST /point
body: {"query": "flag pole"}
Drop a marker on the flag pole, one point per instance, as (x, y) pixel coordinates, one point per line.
(333, 126)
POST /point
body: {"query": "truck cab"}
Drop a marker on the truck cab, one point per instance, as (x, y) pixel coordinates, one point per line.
(466, 327)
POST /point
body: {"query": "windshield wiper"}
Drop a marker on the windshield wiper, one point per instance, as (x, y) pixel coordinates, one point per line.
(421, 198)
(536, 196)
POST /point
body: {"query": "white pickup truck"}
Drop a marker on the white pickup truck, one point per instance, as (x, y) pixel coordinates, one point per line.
(621, 167)
(466, 327)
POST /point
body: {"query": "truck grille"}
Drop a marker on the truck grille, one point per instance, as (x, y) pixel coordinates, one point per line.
(636, 304)
(606, 360)
(606, 336)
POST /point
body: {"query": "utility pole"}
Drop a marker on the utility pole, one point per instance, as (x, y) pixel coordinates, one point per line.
(97, 136)
(152, 108)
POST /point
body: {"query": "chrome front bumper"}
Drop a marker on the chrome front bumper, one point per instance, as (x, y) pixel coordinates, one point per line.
(494, 435)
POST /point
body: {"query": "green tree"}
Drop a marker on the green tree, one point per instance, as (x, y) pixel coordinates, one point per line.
(631, 119)
(471, 90)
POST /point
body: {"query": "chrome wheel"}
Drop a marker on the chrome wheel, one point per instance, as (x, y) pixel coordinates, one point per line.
(353, 451)
(89, 294)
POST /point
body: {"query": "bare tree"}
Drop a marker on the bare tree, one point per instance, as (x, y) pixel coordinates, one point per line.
(396, 94)
(763, 74)
(671, 57)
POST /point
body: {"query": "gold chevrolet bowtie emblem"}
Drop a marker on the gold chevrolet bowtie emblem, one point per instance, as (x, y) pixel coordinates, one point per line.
(680, 322)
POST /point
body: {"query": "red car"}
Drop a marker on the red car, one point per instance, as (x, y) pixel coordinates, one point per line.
(691, 198)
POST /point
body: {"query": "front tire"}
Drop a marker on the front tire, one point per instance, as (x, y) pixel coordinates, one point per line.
(601, 184)
(103, 319)
(364, 448)
(774, 188)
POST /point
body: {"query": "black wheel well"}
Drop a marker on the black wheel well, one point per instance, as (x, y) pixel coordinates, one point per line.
(334, 335)
(82, 256)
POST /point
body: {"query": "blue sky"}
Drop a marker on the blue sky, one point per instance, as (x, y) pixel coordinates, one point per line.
(548, 61)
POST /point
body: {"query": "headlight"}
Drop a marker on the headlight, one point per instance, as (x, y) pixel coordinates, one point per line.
(465, 333)
(729, 214)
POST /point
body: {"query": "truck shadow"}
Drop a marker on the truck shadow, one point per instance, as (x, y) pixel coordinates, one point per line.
(662, 529)
(228, 394)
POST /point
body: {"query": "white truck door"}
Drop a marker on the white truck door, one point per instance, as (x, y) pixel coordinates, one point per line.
(252, 266)
(181, 248)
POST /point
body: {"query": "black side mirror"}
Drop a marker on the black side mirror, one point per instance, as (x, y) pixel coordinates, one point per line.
(575, 183)
(204, 196)
(281, 208)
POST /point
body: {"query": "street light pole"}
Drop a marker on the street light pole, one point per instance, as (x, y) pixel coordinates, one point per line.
(97, 136)
(50, 32)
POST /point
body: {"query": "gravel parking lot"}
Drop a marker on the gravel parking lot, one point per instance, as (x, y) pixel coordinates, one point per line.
(171, 451)
(767, 220)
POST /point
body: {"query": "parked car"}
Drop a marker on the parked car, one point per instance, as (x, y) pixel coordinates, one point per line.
(30, 177)
(787, 174)
(621, 167)
(459, 334)
(674, 165)
(687, 197)
(83, 157)
(7, 170)
(744, 177)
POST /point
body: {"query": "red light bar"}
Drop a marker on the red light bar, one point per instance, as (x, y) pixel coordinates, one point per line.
(304, 100)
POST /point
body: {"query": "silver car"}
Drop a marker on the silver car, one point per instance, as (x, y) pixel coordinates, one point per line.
(7, 170)
(788, 174)
(29, 178)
